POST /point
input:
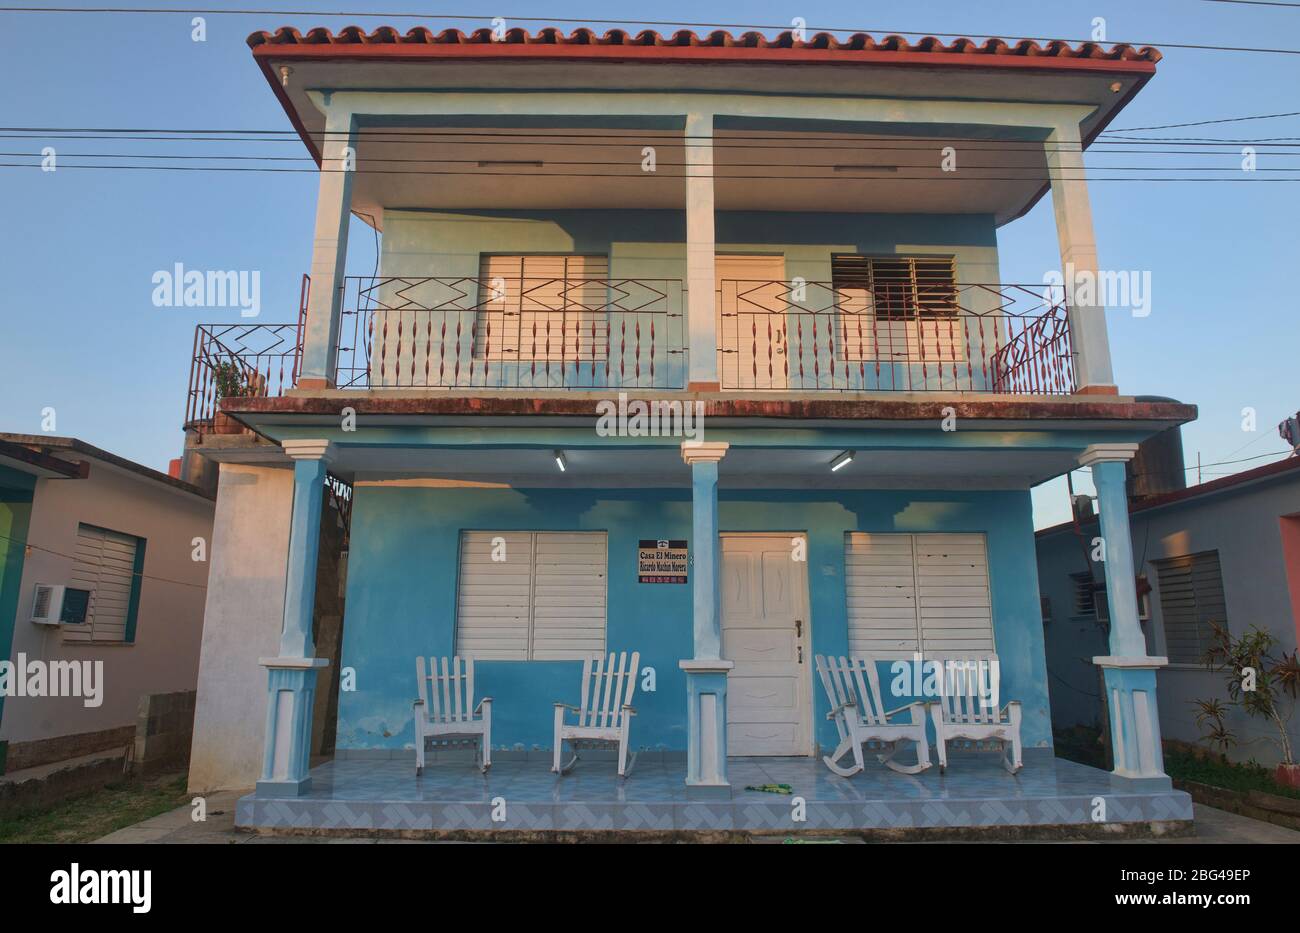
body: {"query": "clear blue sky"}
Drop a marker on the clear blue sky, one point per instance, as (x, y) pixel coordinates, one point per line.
(78, 331)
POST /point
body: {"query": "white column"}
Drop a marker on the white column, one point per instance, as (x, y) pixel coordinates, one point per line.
(701, 314)
(329, 252)
(1078, 245)
(1129, 673)
(706, 672)
(291, 684)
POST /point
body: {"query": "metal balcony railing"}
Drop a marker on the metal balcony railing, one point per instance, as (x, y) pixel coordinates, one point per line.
(512, 332)
(243, 360)
(549, 333)
(812, 336)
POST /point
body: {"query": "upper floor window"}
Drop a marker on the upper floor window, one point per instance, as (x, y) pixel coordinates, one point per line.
(552, 308)
(110, 565)
(1191, 597)
(898, 308)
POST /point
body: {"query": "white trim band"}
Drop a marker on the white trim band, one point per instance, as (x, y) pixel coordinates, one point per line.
(1107, 453)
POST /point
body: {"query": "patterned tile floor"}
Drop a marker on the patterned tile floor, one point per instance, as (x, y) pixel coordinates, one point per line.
(524, 796)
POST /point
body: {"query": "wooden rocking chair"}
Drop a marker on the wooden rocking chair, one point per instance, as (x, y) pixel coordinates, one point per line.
(453, 718)
(967, 706)
(604, 714)
(853, 687)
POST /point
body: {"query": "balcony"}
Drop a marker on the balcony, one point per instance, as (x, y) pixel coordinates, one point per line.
(467, 333)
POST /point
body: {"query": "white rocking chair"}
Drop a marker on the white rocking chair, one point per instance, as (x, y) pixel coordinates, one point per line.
(604, 714)
(853, 687)
(967, 707)
(453, 718)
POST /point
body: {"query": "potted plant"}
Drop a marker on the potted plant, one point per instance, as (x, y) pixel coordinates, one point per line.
(1261, 682)
(229, 381)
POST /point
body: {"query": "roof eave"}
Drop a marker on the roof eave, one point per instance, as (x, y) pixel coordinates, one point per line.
(265, 52)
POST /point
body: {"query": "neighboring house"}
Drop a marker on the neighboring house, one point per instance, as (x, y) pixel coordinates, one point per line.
(762, 228)
(1226, 551)
(120, 539)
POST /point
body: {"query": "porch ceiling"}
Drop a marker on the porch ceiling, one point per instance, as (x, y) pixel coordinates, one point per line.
(742, 468)
(446, 167)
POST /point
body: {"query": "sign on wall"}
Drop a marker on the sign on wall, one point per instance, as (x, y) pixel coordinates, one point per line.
(661, 561)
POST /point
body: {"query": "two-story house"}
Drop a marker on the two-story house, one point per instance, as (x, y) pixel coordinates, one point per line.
(736, 295)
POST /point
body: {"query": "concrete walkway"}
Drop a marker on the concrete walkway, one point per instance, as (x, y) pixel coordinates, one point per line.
(1212, 826)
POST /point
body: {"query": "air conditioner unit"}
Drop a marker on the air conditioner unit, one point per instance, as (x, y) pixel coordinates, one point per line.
(57, 605)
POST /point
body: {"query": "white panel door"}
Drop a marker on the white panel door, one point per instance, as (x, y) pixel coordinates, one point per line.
(765, 633)
(752, 316)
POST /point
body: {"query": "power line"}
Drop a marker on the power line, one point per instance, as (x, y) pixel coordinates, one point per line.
(394, 135)
(1199, 140)
(623, 163)
(1171, 126)
(23, 542)
(667, 176)
(1256, 3)
(569, 21)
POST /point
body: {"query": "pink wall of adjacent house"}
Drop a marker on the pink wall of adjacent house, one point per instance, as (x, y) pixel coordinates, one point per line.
(1291, 557)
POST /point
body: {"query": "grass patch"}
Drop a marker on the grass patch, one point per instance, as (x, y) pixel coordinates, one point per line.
(97, 813)
(1219, 772)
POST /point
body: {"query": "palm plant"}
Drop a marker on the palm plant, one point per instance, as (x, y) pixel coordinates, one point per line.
(1260, 681)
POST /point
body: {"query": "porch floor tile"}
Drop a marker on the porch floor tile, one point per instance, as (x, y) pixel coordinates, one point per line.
(525, 796)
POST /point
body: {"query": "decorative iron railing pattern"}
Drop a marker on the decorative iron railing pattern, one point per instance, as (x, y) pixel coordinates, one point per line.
(511, 332)
(790, 336)
(245, 360)
(812, 336)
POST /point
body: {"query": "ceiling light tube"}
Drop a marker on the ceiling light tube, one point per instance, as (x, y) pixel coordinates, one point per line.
(842, 460)
(560, 461)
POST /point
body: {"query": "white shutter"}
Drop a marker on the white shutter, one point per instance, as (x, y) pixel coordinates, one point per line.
(881, 583)
(494, 597)
(104, 563)
(545, 601)
(952, 574)
(569, 596)
(903, 589)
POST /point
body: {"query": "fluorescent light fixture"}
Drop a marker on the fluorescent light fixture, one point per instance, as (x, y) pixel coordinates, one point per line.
(560, 461)
(842, 460)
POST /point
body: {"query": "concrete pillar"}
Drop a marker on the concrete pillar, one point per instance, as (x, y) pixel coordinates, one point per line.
(706, 672)
(329, 253)
(1092, 367)
(291, 687)
(701, 283)
(1128, 671)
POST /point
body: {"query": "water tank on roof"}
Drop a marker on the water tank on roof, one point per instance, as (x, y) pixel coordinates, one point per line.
(1158, 466)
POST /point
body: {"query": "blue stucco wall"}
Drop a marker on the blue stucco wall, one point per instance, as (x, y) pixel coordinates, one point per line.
(401, 594)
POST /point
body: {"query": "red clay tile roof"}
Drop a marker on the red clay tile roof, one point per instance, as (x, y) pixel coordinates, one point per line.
(829, 45)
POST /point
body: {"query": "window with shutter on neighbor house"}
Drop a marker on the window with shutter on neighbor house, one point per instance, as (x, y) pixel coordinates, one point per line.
(907, 590)
(537, 596)
(1090, 597)
(900, 308)
(1191, 597)
(110, 565)
(543, 307)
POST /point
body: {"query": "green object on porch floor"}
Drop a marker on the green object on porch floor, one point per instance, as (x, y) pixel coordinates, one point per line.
(771, 788)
